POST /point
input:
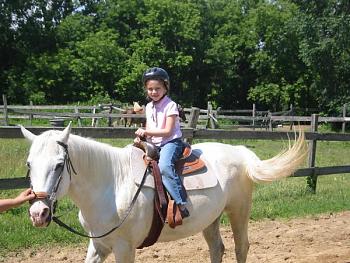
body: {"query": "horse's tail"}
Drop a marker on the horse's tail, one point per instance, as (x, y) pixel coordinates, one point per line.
(282, 165)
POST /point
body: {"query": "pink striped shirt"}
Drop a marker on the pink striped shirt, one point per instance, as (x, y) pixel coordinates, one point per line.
(156, 115)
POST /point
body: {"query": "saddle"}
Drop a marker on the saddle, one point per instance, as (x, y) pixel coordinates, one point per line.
(165, 209)
(188, 163)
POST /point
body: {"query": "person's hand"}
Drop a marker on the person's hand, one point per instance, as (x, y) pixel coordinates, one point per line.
(141, 133)
(137, 140)
(26, 195)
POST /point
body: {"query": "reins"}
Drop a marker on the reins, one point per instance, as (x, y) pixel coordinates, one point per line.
(67, 159)
(60, 223)
(52, 200)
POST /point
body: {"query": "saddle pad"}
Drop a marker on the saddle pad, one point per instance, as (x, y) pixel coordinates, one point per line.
(202, 179)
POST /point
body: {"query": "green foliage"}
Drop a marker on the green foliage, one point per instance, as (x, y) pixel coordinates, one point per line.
(225, 51)
(275, 95)
(74, 28)
(323, 30)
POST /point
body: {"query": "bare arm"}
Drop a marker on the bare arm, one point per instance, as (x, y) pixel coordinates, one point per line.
(26, 195)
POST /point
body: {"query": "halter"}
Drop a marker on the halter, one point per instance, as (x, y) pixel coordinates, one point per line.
(51, 199)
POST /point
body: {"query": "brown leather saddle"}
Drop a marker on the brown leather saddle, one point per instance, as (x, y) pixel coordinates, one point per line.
(188, 163)
(165, 209)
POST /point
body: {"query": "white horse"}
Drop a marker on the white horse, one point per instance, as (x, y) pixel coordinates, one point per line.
(103, 188)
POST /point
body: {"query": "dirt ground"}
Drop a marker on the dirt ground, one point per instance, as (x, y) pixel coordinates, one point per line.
(321, 239)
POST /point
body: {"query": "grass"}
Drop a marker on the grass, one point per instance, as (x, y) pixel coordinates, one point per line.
(291, 198)
(284, 199)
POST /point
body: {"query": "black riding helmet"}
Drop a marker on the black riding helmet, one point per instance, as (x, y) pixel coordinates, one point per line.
(156, 74)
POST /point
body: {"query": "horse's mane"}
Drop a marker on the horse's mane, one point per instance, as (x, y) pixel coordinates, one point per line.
(91, 147)
(100, 157)
(76, 142)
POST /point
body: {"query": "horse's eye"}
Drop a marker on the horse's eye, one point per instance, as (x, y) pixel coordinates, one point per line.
(59, 166)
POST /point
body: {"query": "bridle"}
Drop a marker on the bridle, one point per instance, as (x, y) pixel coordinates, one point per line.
(51, 199)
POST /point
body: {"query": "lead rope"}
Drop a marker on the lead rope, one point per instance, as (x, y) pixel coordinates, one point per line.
(60, 223)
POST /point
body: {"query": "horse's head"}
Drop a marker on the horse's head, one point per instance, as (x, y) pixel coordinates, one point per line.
(49, 172)
(138, 109)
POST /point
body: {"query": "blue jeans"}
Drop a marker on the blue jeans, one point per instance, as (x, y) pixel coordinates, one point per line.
(169, 154)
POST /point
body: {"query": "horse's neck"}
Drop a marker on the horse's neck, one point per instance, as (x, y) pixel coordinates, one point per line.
(101, 171)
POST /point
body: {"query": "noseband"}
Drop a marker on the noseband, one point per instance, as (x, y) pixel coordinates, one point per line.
(51, 199)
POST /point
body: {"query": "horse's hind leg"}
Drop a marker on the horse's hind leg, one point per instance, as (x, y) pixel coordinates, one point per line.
(214, 241)
(239, 226)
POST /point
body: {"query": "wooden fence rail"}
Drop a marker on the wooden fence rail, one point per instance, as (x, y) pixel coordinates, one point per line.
(190, 133)
(251, 117)
(80, 115)
(74, 115)
(255, 119)
(264, 119)
(128, 132)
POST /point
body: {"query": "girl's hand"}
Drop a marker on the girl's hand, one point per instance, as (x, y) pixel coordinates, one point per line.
(137, 140)
(141, 133)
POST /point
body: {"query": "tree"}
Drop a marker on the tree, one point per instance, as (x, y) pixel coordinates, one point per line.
(229, 52)
(324, 30)
(227, 56)
(28, 30)
(279, 70)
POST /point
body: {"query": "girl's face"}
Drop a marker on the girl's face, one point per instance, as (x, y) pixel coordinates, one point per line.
(155, 89)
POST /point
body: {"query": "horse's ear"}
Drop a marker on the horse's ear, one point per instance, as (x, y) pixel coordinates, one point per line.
(137, 107)
(27, 134)
(66, 132)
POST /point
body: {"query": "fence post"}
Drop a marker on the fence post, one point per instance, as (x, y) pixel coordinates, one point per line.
(93, 120)
(253, 115)
(269, 114)
(6, 117)
(343, 127)
(76, 110)
(312, 179)
(210, 115)
(291, 113)
(110, 118)
(192, 122)
(31, 115)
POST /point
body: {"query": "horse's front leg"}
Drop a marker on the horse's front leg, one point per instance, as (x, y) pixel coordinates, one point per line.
(97, 252)
(124, 252)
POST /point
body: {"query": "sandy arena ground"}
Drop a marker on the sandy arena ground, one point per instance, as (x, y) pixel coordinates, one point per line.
(321, 239)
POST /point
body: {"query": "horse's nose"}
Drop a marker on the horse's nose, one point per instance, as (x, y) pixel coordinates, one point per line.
(45, 213)
(39, 213)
